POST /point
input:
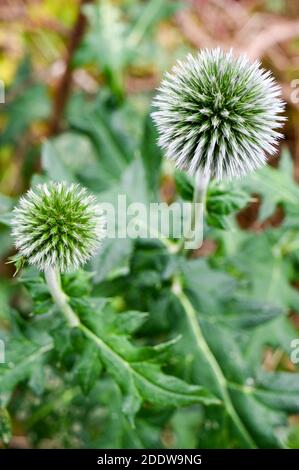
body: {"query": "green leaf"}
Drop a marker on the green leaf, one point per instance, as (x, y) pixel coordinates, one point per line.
(115, 254)
(292, 439)
(222, 201)
(88, 368)
(28, 104)
(153, 11)
(261, 401)
(139, 380)
(275, 186)
(21, 356)
(184, 185)
(105, 43)
(113, 147)
(268, 273)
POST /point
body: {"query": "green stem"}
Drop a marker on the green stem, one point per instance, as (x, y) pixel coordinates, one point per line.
(205, 349)
(53, 280)
(199, 197)
(201, 185)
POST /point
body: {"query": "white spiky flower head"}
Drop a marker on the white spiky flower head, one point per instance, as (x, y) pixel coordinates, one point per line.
(58, 225)
(219, 114)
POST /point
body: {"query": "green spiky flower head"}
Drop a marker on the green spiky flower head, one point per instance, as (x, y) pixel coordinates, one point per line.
(219, 114)
(58, 225)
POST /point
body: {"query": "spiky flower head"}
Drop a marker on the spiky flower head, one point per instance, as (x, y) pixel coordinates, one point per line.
(219, 114)
(58, 225)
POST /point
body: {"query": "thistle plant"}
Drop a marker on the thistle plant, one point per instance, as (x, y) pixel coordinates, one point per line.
(218, 114)
(57, 227)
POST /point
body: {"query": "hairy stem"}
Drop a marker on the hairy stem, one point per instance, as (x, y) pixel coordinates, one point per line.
(53, 280)
(208, 354)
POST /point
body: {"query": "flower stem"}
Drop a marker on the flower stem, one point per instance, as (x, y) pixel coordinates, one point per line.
(199, 197)
(208, 354)
(53, 280)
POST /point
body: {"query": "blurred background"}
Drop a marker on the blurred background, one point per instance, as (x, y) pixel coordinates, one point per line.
(81, 75)
(52, 58)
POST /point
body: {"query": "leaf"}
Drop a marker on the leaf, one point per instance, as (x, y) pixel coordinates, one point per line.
(151, 155)
(19, 262)
(222, 201)
(27, 105)
(111, 44)
(21, 357)
(216, 286)
(153, 12)
(167, 391)
(292, 439)
(265, 180)
(37, 378)
(139, 380)
(186, 425)
(128, 322)
(115, 253)
(105, 43)
(6, 206)
(184, 185)
(118, 247)
(88, 369)
(261, 401)
(279, 390)
(267, 271)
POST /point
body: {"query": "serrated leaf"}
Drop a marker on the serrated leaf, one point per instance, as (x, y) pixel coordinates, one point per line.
(263, 181)
(269, 397)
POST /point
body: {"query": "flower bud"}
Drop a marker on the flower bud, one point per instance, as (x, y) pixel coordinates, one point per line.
(58, 225)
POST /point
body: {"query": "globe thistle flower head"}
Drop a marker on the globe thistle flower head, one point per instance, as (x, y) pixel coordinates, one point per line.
(219, 114)
(58, 225)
